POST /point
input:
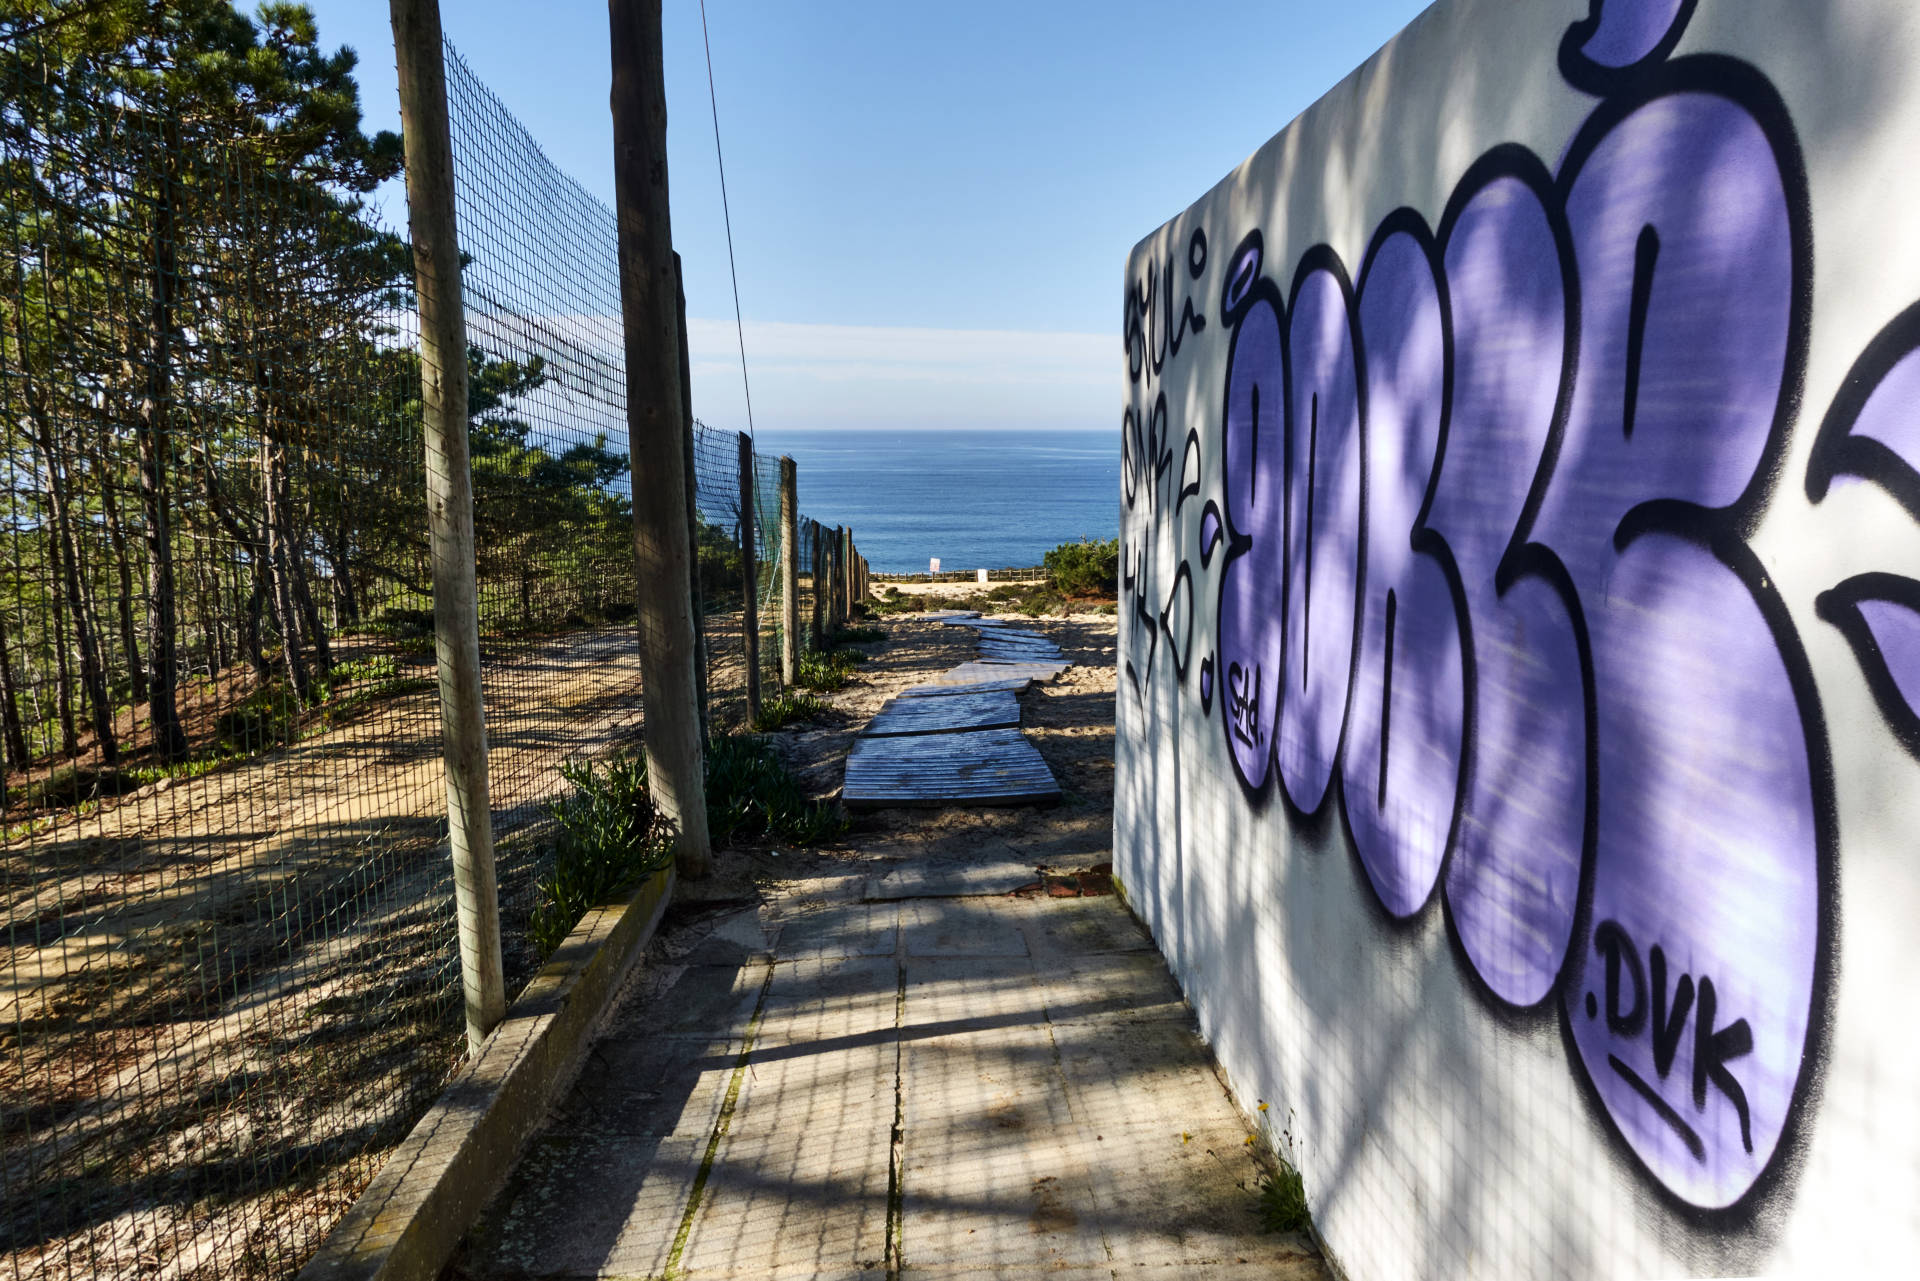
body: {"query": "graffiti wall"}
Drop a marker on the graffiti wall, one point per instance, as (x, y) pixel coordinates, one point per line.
(1520, 653)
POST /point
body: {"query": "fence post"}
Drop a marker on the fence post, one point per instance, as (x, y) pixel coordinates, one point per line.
(693, 505)
(661, 551)
(749, 577)
(789, 572)
(846, 572)
(837, 579)
(816, 628)
(443, 400)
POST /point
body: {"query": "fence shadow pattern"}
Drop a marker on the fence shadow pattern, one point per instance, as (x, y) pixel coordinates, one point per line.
(229, 978)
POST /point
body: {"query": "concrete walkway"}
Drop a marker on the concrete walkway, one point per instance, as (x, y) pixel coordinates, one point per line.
(913, 1075)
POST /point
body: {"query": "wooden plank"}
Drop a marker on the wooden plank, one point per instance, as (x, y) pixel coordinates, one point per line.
(1022, 647)
(1018, 686)
(983, 670)
(979, 767)
(1000, 710)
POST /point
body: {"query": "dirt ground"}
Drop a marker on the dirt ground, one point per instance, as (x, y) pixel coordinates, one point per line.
(252, 973)
(1070, 721)
(260, 961)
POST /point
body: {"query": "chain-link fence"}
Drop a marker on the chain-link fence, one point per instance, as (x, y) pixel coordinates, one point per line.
(230, 978)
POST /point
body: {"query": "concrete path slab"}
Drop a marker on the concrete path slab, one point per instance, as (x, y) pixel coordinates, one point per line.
(940, 1087)
(950, 880)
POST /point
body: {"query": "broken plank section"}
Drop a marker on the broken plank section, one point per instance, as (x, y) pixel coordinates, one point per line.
(1019, 685)
(977, 767)
(973, 673)
(999, 710)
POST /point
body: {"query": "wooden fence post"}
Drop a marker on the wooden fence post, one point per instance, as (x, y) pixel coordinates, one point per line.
(789, 572)
(816, 628)
(693, 504)
(749, 577)
(443, 400)
(846, 572)
(655, 440)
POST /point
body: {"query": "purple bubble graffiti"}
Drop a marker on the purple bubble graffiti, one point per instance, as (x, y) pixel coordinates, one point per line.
(1513, 882)
(1684, 241)
(1484, 524)
(1408, 678)
(1253, 474)
(1322, 513)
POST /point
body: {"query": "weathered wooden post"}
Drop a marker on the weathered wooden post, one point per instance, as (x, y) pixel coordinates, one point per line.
(749, 577)
(789, 572)
(837, 580)
(693, 505)
(443, 400)
(655, 431)
(846, 573)
(816, 627)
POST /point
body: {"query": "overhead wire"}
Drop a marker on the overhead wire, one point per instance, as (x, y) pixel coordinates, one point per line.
(726, 214)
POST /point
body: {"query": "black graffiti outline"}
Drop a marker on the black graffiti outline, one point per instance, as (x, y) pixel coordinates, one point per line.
(1837, 451)
(1840, 605)
(1598, 78)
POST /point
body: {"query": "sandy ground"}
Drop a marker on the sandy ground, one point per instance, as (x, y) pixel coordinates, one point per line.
(252, 973)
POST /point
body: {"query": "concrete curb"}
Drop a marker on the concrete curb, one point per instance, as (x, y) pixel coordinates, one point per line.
(409, 1221)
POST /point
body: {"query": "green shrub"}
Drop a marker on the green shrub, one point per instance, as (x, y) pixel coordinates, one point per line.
(855, 636)
(786, 708)
(1085, 568)
(827, 670)
(610, 839)
(751, 795)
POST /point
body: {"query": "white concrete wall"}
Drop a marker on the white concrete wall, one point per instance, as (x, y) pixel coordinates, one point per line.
(1587, 336)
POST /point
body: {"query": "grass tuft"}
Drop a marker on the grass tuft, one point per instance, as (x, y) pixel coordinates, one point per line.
(1283, 1201)
(827, 670)
(785, 708)
(751, 795)
(611, 838)
(1280, 1195)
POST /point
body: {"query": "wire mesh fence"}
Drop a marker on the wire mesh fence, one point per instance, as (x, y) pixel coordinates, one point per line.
(230, 976)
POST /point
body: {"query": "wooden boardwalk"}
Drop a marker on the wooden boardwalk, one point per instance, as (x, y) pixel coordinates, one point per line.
(956, 740)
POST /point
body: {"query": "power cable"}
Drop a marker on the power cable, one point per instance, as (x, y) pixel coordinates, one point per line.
(739, 326)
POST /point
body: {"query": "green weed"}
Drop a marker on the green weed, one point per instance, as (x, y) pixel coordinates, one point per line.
(827, 670)
(786, 708)
(611, 838)
(1280, 1195)
(752, 796)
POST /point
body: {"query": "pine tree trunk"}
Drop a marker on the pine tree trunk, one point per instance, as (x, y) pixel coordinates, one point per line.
(169, 738)
(272, 461)
(123, 569)
(12, 734)
(63, 672)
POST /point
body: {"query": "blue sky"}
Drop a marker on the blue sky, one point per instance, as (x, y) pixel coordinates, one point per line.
(918, 188)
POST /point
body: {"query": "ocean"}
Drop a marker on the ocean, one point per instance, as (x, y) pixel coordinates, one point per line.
(975, 499)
